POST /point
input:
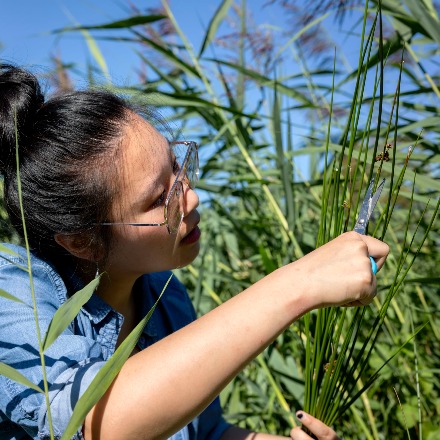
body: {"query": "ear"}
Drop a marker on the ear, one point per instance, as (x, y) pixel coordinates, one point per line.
(78, 245)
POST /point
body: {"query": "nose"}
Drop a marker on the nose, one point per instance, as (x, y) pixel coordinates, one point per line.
(191, 200)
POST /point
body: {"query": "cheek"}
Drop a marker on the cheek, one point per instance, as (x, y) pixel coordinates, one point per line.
(139, 251)
(152, 242)
(133, 234)
(151, 249)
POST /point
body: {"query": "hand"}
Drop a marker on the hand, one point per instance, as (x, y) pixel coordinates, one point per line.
(339, 273)
(319, 429)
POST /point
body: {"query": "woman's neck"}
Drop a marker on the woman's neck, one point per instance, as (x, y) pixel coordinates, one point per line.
(117, 292)
(120, 295)
(116, 289)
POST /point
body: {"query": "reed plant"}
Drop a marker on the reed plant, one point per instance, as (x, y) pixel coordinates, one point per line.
(339, 342)
(286, 159)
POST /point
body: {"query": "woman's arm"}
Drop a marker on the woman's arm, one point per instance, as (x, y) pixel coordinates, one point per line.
(161, 389)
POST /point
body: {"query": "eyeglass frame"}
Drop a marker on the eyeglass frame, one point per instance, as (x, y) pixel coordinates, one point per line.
(192, 146)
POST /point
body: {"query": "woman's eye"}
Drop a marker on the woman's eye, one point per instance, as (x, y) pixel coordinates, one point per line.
(176, 167)
(160, 201)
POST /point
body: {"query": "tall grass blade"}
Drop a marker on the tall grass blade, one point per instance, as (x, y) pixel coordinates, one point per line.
(96, 54)
(31, 281)
(7, 250)
(169, 55)
(375, 375)
(119, 24)
(93, 49)
(12, 373)
(67, 312)
(283, 163)
(426, 20)
(267, 81)
(214, 24)
(7, 295)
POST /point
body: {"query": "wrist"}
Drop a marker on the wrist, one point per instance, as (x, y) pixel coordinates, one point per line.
(295, 285)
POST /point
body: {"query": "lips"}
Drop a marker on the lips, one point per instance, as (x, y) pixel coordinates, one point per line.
(192, 237)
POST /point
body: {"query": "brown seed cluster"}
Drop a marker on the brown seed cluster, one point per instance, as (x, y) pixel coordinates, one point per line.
(385, 155)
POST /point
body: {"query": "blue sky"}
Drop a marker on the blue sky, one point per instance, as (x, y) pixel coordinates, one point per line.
(26, 39)
(26, 25)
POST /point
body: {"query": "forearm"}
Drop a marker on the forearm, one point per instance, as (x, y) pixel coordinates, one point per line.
(183, 373)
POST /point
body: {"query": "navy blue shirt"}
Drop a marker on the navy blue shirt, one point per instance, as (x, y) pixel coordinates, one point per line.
(74, 359)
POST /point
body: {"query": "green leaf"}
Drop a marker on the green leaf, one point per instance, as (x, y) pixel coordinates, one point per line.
(169, 54)
(6, 250)
(96, 53)
(106, 374)
(67, 312)
(218, 17)
(267, 259)
(12, 373)
(120, 24)
(407, 415)
(405, 23)
(164, 99)
(15, 263)
(9, 296)
(93, 48)
(421, 15)
(266, 81)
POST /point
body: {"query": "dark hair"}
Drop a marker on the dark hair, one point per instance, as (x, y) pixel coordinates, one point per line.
(66, 149)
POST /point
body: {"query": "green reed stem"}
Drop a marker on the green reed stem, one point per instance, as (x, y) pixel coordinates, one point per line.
(31, 282)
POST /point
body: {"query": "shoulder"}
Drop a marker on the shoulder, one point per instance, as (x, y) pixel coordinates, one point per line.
(15, 278)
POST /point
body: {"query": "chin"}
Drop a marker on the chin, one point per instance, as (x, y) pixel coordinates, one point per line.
(189, 256)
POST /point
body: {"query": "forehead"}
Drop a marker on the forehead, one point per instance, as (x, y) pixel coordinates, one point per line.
(144, 149)
(143, 164)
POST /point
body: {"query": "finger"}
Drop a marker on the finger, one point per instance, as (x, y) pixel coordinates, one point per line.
(369, 293)
(376, 249)
(367, 299)
(368, 296)
(319, 429)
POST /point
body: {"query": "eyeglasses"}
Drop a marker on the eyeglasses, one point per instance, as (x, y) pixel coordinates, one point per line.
(187, 158)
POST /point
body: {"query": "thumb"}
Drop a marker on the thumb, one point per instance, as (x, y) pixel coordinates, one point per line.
(316, 427)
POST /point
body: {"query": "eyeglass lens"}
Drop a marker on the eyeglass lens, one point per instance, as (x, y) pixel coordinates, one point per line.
(174, 209)
(186, 156)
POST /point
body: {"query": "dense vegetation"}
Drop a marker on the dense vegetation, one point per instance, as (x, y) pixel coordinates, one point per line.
(290, 136)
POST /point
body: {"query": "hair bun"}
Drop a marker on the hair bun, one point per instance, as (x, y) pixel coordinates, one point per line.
(20, 99)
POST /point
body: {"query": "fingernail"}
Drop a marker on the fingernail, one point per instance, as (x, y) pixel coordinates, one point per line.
(300, 415)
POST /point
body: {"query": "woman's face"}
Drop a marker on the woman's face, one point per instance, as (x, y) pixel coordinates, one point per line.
(146, 175)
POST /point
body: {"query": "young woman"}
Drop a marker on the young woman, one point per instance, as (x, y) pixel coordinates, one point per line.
(105, 192)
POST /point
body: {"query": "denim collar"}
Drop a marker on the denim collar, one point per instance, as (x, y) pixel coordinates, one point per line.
(97, 309)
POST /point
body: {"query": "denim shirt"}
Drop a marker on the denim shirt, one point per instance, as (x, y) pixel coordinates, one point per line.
(73, 360)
